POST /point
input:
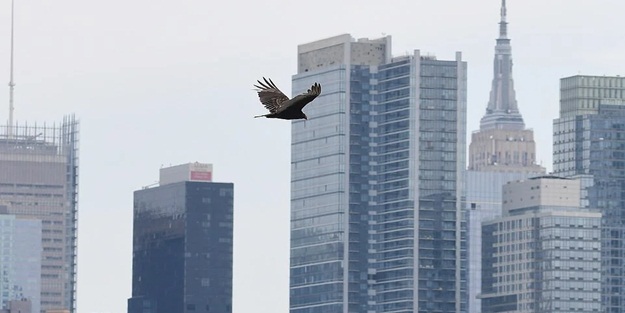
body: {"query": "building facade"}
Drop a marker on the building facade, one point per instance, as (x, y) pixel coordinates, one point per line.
(377, 180)
(39, 180)
(502, 150)
(21, 306)
(484, 203)
(589, 142)
(182, 243)
(20, 261)
(544, 253)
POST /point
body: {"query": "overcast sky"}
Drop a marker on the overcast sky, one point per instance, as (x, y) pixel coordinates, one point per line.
(165, 82)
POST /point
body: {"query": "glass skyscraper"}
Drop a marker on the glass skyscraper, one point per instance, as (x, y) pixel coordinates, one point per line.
(20, 260)
(39, 180)
(182, 243)
(589, 142)
(376, 181)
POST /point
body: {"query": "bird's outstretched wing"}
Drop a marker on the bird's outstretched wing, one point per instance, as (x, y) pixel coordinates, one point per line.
(302, 100)
(270, 96)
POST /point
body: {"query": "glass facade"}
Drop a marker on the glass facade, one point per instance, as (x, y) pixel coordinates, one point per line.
(20, 260)
(483, 204)
(182, 248)
(39, 180)
(593, 146)
(580, 95)
(376, 223)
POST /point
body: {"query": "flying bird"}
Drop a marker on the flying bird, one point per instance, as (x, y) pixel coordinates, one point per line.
(279, 105)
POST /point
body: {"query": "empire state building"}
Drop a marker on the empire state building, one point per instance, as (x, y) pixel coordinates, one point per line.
(503, 144)
(502, 150)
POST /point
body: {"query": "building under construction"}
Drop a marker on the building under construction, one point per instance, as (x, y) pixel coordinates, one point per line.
(39, 180)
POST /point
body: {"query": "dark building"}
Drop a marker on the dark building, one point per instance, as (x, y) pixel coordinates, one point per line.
(182, 243)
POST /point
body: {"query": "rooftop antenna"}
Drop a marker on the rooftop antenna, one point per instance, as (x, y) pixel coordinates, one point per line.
(503, 24)
(11, 82)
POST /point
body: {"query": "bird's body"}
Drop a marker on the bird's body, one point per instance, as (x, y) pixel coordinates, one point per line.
(280, 106)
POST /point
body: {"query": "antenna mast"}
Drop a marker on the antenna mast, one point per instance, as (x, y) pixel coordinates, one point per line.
(11, 82)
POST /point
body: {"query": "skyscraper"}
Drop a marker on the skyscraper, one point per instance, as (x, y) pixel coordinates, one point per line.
(20, 261)
(502, 150)
(503, 144)
(376, 181)
(544, 254)
(39, 180)
(589, 143)
(182, 243)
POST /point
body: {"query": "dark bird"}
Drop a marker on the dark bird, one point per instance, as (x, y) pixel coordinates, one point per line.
(279, 105)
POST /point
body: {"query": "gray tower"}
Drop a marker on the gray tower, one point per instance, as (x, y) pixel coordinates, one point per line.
(376, 181)
(39, 180)
(502, 143)
(502, 111)
(502, 150)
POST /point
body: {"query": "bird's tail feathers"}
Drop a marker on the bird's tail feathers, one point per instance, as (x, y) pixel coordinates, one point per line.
(259, 116)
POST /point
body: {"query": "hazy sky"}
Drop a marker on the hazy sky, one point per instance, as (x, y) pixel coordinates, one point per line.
(168, 82)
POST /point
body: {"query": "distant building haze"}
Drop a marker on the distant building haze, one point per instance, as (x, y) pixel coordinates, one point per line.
(182, 243)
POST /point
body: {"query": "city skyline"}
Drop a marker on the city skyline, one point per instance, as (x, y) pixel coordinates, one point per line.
(138, 86)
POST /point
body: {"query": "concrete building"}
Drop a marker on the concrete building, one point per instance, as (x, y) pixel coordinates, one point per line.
(502, 150)
(543, 254)
(377, 180)
(589, 143)
(39, 180)
(182, 243)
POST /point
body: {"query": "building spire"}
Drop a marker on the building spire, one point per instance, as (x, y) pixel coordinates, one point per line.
(503, 25)
(11, 82)
(502, 111)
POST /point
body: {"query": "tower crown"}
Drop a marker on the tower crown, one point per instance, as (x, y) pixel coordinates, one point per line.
(502, 111)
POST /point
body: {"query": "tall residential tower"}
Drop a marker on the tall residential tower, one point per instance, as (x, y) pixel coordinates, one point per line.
(377, 180)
